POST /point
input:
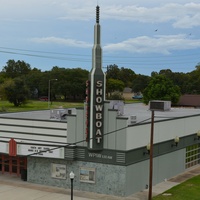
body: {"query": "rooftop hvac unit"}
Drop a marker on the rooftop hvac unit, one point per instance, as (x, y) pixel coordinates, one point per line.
(58, 114)
(117, 105)
(160, 105)
(69, 111)
(133, 119)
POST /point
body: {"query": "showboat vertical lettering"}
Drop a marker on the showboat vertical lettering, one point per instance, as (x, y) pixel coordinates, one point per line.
(99, 111)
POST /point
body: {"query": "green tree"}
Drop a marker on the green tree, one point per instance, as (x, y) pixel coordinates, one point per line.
(127, 76)
(113, 85)
(78, 79)
(161, 88)
(180, 79)
(194, 81)
(154, 73)
(123, 74)
(16, 91)
(166, 72)
(140, 83)
(16, 69)
(113, 72)
(70, 83)
(60, 86)
(34, 82)
(197, 66)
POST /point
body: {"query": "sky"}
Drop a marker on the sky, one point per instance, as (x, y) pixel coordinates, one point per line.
(141, 35)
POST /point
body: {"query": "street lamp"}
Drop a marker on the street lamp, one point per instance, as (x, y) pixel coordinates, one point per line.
(72, 175)
(49, 91)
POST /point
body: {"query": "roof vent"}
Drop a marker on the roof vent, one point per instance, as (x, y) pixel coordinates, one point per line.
(159, 105)
(133, 119)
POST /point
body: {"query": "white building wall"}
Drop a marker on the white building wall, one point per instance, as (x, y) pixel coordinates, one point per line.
(110, 126)
(34, 123)
(138, 136)
(164, 167)
(33, 130)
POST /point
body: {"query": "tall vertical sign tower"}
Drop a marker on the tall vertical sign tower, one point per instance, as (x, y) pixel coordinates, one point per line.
(95, 93)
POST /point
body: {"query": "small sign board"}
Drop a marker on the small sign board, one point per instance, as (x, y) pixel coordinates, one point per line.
(87, 175)
(58, 171)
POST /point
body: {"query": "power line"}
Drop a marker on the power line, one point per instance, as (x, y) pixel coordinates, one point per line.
(132, 62)
(84, 140)
(45, 52)
(41, 56)
(82, 57)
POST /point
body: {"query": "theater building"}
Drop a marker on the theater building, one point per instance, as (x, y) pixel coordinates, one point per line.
(104, 143)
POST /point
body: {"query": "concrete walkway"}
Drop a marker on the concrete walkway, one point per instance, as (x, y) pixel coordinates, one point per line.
(13, 188)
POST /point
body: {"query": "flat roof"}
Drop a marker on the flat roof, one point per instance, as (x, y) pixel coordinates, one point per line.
(36, 115)
(140, 110)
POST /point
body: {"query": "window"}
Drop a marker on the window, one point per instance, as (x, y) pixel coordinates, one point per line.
(192, 156)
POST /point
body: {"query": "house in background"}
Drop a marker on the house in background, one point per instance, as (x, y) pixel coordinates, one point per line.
(190, 100)
(127, 93)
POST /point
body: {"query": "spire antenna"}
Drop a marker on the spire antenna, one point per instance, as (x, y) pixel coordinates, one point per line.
(97, 14)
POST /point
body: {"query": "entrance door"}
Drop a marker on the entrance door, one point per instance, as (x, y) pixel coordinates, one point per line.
(12, 164)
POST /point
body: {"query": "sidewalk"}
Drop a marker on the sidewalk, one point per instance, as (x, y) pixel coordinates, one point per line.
(13, 188)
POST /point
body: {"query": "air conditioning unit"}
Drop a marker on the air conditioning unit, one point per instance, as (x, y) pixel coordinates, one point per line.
(69, 111)
(133, 119)
(159, 105)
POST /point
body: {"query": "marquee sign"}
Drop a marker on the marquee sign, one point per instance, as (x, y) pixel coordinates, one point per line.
(40, 151)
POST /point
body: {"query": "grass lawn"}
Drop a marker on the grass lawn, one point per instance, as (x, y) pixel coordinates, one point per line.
(5, 106)
(188, 190)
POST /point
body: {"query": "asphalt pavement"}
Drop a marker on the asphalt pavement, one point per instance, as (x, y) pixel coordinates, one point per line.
(13, 188)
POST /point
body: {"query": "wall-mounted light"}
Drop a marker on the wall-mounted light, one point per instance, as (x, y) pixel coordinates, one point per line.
(197, 137)
(148, 147)
(176, 141)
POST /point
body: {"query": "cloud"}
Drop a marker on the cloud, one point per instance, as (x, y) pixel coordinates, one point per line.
(188, 21)
(29, 10)
(180, 14)
(62, 41)
(163, 44)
